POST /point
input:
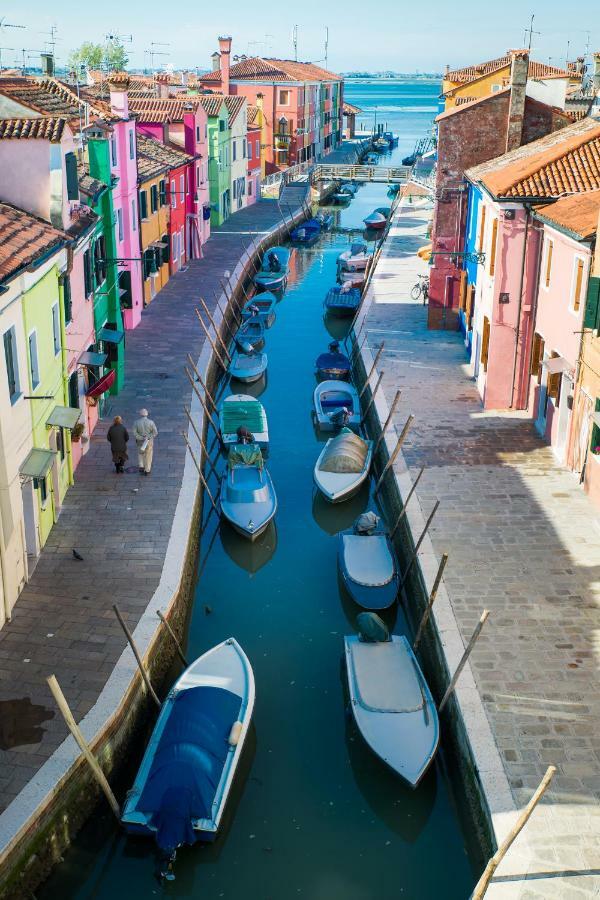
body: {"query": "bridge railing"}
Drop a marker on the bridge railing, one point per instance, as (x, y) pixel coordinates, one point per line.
(392, 174)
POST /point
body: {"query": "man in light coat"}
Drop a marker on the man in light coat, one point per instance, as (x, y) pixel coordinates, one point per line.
(145, 431)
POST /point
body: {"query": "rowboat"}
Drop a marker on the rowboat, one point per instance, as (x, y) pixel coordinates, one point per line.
(376, 221)
(307, 233)
(252, 333)
(261, 307)
(355, 259)
(342, 301)
(274, 271)
(352, 279)
(392, 704)
(181, 788)
(243, 411)
(342, 197)
(333, 365)
(343, 465)
(368, 564)
(336, 404)
(247, 365)
(248, 499)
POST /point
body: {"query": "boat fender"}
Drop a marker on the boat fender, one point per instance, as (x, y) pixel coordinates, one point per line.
(235, 734)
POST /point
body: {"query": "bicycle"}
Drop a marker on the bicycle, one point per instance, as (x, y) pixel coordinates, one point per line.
(421, 289)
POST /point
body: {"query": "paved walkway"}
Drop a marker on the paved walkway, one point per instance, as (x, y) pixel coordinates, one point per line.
(63, 622)
(520, 535)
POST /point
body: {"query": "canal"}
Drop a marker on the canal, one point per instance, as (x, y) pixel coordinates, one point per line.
(314, 813)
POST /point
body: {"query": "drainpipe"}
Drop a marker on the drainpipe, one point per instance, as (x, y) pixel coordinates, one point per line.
(521, 285)
(65, 361)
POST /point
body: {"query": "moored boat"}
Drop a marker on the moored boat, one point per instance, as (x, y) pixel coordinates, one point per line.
(333, 365)
(261, 307)
(368, 564)
(243, 411)
(251, 333)
(342, 197)
(376, 220)
(343, 466)
(248, 499)
(274, 270)
(336, 404)
(342, 300)
(355, 259)
(247, 364)
(307, 232)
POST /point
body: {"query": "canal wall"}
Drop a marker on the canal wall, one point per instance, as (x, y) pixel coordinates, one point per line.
(38, 827)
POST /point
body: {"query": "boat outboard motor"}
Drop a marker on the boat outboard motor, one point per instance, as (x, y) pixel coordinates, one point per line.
(372, 629)
(245, 347)
(366, 523)
(334, 347)
(340, 417)
(274, 264)
(244, 435)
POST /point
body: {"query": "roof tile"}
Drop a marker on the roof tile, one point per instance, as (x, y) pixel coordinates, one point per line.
(49, 128)
(577, 214)
(24, 238)
(258, 68)
(537, 70)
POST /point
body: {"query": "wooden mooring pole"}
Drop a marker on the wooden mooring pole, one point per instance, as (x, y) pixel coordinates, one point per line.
(83, 745)
(215, 329)
(201, 381)
(373, 395)
(174, 637)
(201, 399)
(372, 369)
(395, 403)
(415, 552)
(202, 444)
(136, 653)
(402, 512)
(200, 473)
(483, 883)
(395, 451)
(211, 342)
(464, 658)
(431, 600)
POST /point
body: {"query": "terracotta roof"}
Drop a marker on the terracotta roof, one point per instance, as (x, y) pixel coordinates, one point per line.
(537, 70)
(43, 128)
(261, 69)
(577, 215)
(566, 161)
(83, 220)
(50, 98)
(234, 104)
(155, 157)
(90, 187)
(253, 112)
(211, 103)
(350, 109)
(469, 103)
(163, 110)
(23, 239)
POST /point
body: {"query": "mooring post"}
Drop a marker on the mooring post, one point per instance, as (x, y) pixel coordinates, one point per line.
(201, 380)
(402, 512)
(418, 544)
(215, 329)
(395, 451)
(483, 883)
(200, 473)
(464, 658)
(229, 333)
(372, 369)
(201, 399)
(431, 600)
(395, 403)
(202, 444)
(138, 658)
(211, 342)
(373, 395)
(175, 641)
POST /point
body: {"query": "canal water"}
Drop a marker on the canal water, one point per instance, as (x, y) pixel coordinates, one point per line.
(314, 814)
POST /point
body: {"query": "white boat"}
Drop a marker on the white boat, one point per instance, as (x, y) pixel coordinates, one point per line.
(368, 568)
(243, 411)
(392, 704)
(248, 499)
(343, 466)
(247, 367)
(186, 774)
(336, 404)
(355, 259)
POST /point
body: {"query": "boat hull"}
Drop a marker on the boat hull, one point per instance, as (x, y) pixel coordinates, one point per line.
(369, 596)
(350, 400)
(250, 518)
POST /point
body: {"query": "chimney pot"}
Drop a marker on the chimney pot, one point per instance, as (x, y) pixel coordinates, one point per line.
(225, 61)
(519, 71)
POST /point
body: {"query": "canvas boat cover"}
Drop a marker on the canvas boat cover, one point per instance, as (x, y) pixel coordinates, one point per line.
(245, 455)
(345, 453)
(368, 559)
(333, 362)
(247, 361)
(385, 677)
(249, 413)
(188, 763)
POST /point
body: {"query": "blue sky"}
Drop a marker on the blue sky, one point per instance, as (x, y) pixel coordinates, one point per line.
(362, 35)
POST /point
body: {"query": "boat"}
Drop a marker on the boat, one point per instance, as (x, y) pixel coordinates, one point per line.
(371, 159)
(248, 499)
(336, 405)
(274, 271)
(343, 466)
(185, 777)
(349, 187)
(352, 279)
(376, 221)
(355, 259)
(247, 364)
(342, 197)
(342, 300)
(326, 220)
(261, 307)
(333, 365)
(391, 138)
(368, 564)
(243, 411)
(393, 189)
(252, 332)
(409, 160)
(391, 701)
(381, 145)
(307, 233)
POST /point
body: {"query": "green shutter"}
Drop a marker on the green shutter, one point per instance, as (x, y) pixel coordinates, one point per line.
(72, 180)
(591, 317)
(143, 205)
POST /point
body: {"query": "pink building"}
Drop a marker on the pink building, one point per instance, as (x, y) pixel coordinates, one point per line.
(253, 154)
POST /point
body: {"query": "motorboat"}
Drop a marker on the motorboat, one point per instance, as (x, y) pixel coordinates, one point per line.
(391, 702)
(326, 220)
(342, 300)
(274, 271)
(376, 220)
(252, 333)
(248, 499)
(342, 196)
(349, 187)
(307, 233)
(355, 259)
(336, 404)
(343, 466)
(333, 365)
(241, 411)
(247, 364)
(352, 279)
(368, 564)
(391, 138)
(381, 145)
(261, 307)
(185, 777)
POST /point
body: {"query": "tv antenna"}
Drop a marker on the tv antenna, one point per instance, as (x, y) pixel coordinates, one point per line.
(530, 30)
(326, 44)
(152, 52)
(52, 34)
(12, 49)
(295, 42)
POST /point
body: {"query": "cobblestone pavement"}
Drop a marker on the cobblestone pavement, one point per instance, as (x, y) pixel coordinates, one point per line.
(524, 542)
(63, 622)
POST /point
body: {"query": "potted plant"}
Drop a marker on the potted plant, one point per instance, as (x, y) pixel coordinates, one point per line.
(77, 432)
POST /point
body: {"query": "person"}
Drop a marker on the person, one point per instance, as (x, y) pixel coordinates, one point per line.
(244, 435)
(145, 431)
(117, 436)
(274, 264)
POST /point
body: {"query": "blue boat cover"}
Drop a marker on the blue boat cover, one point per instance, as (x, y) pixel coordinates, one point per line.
(336, 361)
(188, 763)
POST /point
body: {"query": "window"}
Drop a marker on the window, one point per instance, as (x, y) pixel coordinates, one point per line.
(258, 149)
(100, 260)
(284, 98)
(74, 390)
(88, 283)
(162, 192)
(249, 188)
(537, 355)
(143, 205)
(131, 144)
(182, 189)
(554, 383)
(133, 216)
(174, 253)
(113, 150)
(173, 196)
(182, 244)
(493, 245)
(481, 229)
(125, 298)
(249, 150)
(56, 329)
(235, 190)
(244, 148)
(485, 343)
(12, 366)
(234, 150)
(470, 306)
(72, 178)
(66, 295)
(42, 485)
(578, 283)
(197, 134)
(548, 263)
(165, 250)
(120, 225)
(221, 125)
(60, 443)
(153, 198)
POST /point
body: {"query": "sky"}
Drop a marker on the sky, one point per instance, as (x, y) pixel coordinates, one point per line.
(362, 36)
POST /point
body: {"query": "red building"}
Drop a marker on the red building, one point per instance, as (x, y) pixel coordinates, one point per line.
(253, 140)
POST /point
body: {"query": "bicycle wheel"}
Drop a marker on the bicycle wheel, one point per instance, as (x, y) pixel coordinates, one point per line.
(415, 292)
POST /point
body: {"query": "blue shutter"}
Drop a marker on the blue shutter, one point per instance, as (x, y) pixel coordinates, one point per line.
(72, 180)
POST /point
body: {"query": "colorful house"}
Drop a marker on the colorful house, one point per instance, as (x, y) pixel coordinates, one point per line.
(154, 214)
(253, 152)
(584, 442)
(219, 157)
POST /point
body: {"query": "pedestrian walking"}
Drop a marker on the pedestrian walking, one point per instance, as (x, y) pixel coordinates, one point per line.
(145, 431)
(117, 436)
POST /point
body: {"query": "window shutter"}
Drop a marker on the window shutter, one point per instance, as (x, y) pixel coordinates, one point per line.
(578, 285)
(591, 317)
(462, 303)
(72, 180)
(482, 229)
(165, 254)
(485, 344)
(493, 246)
(66, 287)
(143, 205)
(162, 191)
(470, 303)
(549, 252)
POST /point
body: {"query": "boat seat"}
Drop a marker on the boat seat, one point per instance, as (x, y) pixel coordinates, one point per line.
(385, 677)
(368, 559)
(336, 403)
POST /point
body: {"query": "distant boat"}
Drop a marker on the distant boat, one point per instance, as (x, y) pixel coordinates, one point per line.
(368, 564)
(391, 138)
(342, 197)
(247, 365)
(381, 145)
(248, 499)
(342, 301)
(274, 271)
(185, 777)
(336, 404)
(243, 411)
(326, 220)
(343, 466)
(376, 221)
(306, 234)
(261, 307)
(333, 365)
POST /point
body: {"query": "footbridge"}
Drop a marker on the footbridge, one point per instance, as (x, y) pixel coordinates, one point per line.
(360, 173)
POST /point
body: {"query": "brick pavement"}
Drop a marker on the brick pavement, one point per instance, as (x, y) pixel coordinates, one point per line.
(63, 622)
(523, 541)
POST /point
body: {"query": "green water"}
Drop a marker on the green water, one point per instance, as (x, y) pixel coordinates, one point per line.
(314, 813)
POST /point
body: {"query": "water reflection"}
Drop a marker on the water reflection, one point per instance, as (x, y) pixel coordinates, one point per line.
(338, 328)
(335, 517)
(256, 388)
(249, 555)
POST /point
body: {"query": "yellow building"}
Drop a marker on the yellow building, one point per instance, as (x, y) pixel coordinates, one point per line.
(154, 223)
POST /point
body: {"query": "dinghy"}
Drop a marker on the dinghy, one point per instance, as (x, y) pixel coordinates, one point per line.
(333, 365)
(368, 564)
(343, 466)
(355, 259)
(307, 233)
(342, 300)
(247, 364)
(336, 404)
(376, 221)
(248, 499)
(391, 702)
(342, 197)
(274, 271)
(261, 307)
(181, 789)
(243, 411)
(252, 333)
(352, 279)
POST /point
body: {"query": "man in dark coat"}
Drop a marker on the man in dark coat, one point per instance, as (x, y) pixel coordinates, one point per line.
(118, 436)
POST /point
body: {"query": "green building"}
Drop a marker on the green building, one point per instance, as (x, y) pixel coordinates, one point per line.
(219, 159)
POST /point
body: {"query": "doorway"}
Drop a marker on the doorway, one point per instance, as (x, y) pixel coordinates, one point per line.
(32, 542)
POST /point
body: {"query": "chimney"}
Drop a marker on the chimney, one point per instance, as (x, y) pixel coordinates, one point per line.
(162, 86)
(118, 84)
(596, 75)
(519, 70)
(225, 48)
(580, 65)
(216, 61)
(48, 64)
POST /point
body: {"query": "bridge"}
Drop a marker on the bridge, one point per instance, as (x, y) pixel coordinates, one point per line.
(361, 173)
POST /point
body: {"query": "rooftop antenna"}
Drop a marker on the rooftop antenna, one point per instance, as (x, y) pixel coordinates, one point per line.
(52, 42)
(295, 42)
(152, 52)
(567, 56)
(12, 49)
(326, 44)
(529, 30)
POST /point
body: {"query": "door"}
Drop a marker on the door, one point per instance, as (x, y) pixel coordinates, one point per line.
(564, 416)
(32, 542)
(540, 423)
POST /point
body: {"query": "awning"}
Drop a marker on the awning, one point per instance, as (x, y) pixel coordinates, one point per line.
(596, 418)
(92, 359)
(556, 364)
(103, 384)
(110, 335)
(64, 416)
(37, 464)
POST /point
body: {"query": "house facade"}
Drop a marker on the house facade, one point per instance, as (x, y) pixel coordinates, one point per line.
(154, 216)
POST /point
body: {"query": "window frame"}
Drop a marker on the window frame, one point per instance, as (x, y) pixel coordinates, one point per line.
(67, 298)
(134, 215)
(56, 336)
(173, 194)
(131, 143)
(481, 239)
(287, 93)
(143, 201)
(153, 199)
(34, 361)
(493, 247)
(13, 368)
(120, 231)
(113, 151)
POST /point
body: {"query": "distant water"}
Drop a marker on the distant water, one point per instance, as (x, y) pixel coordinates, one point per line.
(406, 107)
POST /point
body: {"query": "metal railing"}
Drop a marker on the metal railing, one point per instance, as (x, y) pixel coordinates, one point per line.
(386, 174)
